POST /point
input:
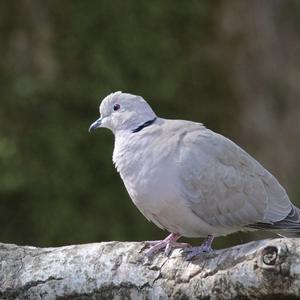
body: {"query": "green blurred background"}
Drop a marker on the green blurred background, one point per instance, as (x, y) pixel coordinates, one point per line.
(233, 65)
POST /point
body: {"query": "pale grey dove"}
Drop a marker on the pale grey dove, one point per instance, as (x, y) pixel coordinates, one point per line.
(190, 180)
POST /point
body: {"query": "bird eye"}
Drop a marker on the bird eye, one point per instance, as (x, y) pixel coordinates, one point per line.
(116, 107)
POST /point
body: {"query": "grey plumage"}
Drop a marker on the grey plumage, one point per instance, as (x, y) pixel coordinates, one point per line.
(188, 179)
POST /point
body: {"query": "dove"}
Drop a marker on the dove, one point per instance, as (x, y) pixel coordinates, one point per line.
(189, 180)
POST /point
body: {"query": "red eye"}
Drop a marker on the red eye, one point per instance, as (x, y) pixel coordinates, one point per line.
(116, 107)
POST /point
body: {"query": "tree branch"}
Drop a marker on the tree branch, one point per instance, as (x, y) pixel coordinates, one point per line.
(259, 270)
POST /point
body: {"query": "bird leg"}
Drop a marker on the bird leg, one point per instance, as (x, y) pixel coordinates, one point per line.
(167, 244)
(204, 248)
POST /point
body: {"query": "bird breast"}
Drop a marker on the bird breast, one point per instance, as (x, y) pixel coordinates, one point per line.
(148, 184)
(149, 173)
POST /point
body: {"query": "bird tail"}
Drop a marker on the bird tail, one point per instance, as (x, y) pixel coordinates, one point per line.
(290, 224)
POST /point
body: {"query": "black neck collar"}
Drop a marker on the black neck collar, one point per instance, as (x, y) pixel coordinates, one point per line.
(146, 124)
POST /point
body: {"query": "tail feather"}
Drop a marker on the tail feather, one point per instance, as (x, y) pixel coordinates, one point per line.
(289, 224)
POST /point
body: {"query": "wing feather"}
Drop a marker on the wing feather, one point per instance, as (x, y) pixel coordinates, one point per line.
(224, 185)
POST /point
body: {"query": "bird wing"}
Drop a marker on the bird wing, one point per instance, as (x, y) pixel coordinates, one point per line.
(224, 185)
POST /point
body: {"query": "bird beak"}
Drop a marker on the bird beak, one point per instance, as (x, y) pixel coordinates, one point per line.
(95, 125)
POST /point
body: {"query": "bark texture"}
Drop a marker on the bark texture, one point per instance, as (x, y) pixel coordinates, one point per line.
(267, 269)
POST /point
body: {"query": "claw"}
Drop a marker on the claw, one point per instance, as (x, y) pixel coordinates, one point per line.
(168, 244)
(204, 248)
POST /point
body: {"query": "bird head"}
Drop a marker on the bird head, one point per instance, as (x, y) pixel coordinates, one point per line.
(122, 111)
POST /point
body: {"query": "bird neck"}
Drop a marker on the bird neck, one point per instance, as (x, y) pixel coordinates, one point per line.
(142, 126)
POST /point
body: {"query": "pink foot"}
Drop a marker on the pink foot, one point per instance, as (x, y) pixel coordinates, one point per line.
(204, 248)
(167, 244)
